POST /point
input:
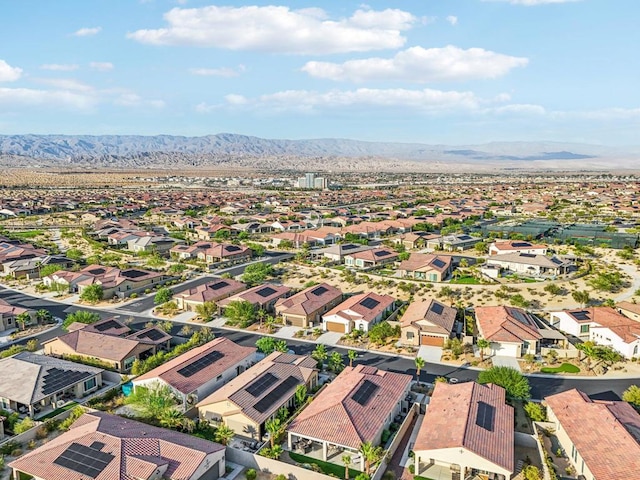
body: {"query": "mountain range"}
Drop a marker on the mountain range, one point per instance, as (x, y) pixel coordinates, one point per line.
(131, 151)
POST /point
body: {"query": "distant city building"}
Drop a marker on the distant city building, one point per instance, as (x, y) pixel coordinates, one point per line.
(311, 182)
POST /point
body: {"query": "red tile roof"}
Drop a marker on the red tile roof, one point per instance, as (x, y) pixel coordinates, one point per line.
(506, 324)
(452, 421)
(606, 434)
(353, 309)
(308, 300)
(425, 317)
(335, 417)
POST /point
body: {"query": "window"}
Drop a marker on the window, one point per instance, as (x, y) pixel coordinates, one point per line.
(409, 335)
(584, 328)
(219, 378)
(89, 384)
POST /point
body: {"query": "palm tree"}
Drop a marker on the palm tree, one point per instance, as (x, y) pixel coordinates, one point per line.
(170, 418)
(371, 455)
(346, 459)
(44, 316)
(419, 366)
(320, 354)
(589, 351)
(352, 355)
(224, 434)
(273, 427)
(301, 394)
(482, 343)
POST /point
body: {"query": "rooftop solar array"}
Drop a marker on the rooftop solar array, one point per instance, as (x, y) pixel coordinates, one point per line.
(266, 292)
(97, 271)
(381, 253)
(218, 285)
(486, 416)
(232, 248)
(319, 291)
(261, 384)
(438, 263)
(528, 255)
(349, 246)
(437, 308)
(133, 273)
(521, 244)
(370, 303)
(84, 460)
(199, 364)
(276, 394)
(581, 315)
(365, 392)
(101, 327)
(57, 379)
(152, 335)
(556, 260)
(464, 237)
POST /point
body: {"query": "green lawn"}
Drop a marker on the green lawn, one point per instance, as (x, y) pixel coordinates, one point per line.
(564, 368)
(58, 411)
(466, 281)
(327, 468)
(27, 234)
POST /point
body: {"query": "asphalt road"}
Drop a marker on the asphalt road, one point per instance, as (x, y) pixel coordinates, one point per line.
(540, 386)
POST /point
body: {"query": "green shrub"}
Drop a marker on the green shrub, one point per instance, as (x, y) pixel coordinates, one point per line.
(8, 447)
(251, 474)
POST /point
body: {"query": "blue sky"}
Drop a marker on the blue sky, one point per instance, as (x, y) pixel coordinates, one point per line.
(430, 71)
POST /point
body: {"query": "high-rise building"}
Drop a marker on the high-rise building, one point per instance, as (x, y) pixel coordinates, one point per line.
(311, 182)
(311, 177)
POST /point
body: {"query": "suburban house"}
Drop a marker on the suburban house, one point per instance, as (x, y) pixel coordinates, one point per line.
(468, 430)
(305, 308)
(30, 267)
(353, 409)
(427, 322)
(147, 242)
(600, 438)
(516, 246)
(358, 312)
(513, 332)
(425, 266)
(221, 252)
(263, 297)
(452, 243)
(199, 372)
(102, 446)
(36, 384)
(601, 325)
(414, 240)
(8, 314)
(530, 264)
(99, 342)
(208, 292)
(630, 310)
(336, 253)
(370, 258)
(246, 402)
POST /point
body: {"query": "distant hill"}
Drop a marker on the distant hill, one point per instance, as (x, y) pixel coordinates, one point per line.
(230, 149)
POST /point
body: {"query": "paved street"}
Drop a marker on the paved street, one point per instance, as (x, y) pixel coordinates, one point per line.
(540, 385)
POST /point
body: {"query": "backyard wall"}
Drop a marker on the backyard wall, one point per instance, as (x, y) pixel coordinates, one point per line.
(395, 443)
(260, 463)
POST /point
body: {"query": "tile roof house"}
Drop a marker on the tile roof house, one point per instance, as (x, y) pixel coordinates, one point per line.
(424, 266)
(37, 384)
(601, 438)
(530, 264)
(512, 331)
(200, 371)
(427, 322)
(601, 325)
(101, 446)
(356, 407)
(370, 258)
(359, 312)
(629, 310)
(337, 252)
(208, 292)
(220, 252)
(8, 314)
(468, 428)
(453, 243)
(516, 246)
(305, 308)
(246, 402)
(262, 296)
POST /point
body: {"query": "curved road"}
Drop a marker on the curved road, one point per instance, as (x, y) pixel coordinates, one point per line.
(610, 388)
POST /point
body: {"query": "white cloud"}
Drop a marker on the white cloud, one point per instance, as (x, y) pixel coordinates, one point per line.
(29, 97)
(60, 67)
(218, 72)
(66, 84)
(532, 3)
(87, 31)
(9, 73)
(452, 19)
(280, 29)
(520, 109)
(101, 66)
(420, 65)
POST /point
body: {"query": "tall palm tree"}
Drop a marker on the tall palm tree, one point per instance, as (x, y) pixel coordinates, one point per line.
(224, 434)
(419, 366)
(352, 355)
(371, 455)
(273, 427)
(482, 343)
(346, 459)
(589, 350)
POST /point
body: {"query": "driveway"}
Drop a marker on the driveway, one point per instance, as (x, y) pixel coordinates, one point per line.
(430, 354)
(287, 331)
(330, 338)
(503, 361)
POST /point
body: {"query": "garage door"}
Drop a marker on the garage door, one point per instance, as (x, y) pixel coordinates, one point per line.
(212, 474)
(431, 341)
(335, 327)
(294, 321)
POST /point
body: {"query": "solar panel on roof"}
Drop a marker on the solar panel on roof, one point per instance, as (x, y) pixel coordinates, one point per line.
(438, 263)
(152, 335)
(319, 291)
(84, 460)
(365, 392)
(232, 248)
(203, 362)
(266, 292)
(486, 416)
(101, 327)
(381, 253)
(97, 271)
(276, 394)
(218, 285)
(528, 255)
(57, 379)
(261, 384)
(521, 244)
(370, 303)
(581, 315)
(133, 273)
(464, 237)
(349, 246)
(437, 308)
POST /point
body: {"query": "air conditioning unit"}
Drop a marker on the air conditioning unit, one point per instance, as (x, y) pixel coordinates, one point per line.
(192, 399)
(60, 403)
